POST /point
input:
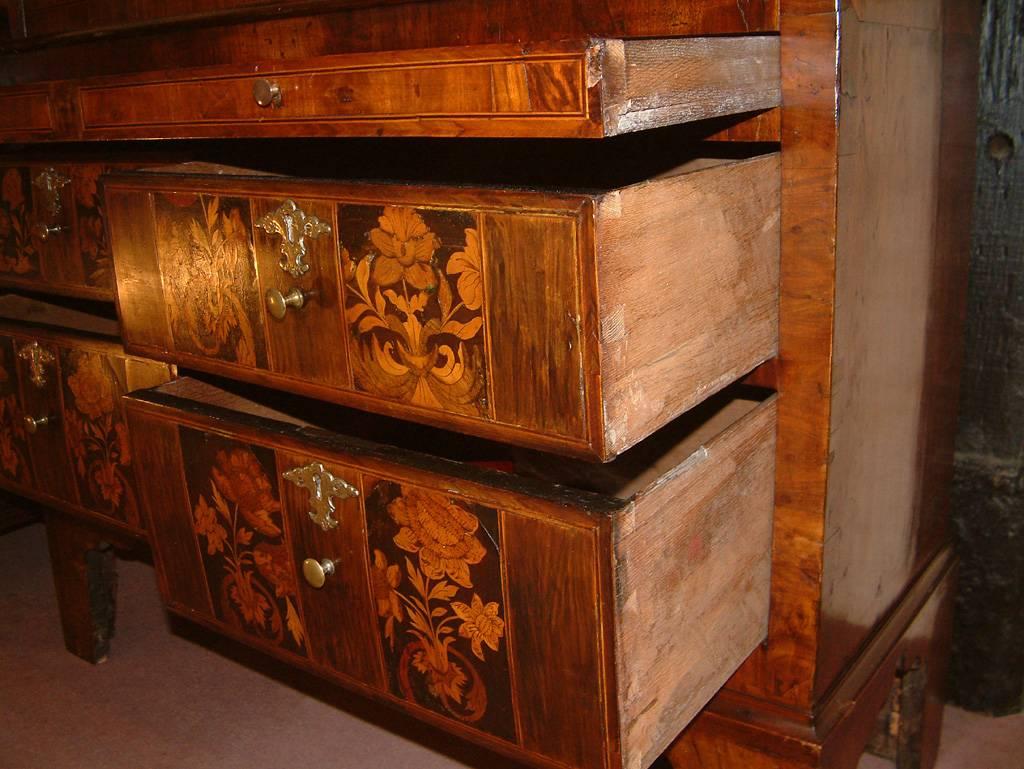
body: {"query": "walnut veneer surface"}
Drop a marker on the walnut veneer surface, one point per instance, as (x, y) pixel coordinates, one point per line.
(875, 131)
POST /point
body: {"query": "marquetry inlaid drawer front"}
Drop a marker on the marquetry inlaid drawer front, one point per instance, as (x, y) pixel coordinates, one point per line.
(565, 627)
(52, 231)
(578, 323)
(570, 89)
(63, 436)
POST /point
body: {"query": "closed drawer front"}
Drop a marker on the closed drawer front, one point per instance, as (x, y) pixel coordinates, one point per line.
(63, 17)
(574, 322)
(26, 113)
(52, 230)
(443, 596)
(63, 436)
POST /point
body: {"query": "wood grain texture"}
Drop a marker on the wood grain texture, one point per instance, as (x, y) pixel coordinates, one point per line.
(85, 451)
(692, 583)
(783, 670)
(50, 460)
(889, 144)
(375, 27)
(296, 345)
(582, 89)
(26, 112)
(688, 270)
(339, 617)
(44, 18)
(140, 293)
(533, 314)
(555, 625)
(165, 505)
(653, 83)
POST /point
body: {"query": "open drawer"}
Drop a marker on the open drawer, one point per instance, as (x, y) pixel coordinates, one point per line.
(563, 626)
(569, 89)
(576, 322)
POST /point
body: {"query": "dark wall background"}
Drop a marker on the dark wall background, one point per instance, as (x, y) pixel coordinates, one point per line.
(988, 504)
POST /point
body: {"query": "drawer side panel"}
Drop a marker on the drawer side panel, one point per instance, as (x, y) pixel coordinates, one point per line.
(688, 270)
(692, 583)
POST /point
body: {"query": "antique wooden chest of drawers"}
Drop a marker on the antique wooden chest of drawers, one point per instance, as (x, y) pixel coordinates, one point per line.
(821, 206)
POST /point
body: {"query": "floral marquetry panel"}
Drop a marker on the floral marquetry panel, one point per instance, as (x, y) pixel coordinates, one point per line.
(205, 245)
(415, 305)
(435, 565)
(14, 454)
(93, 243)
(96, 434)
(19, 255)
(236, 515)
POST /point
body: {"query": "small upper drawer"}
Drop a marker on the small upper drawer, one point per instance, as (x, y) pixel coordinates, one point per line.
(568, 615)
(63, 437)
(575, 322)
(589, 89)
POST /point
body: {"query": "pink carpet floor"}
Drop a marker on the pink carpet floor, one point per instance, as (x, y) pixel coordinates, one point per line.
(172, 696)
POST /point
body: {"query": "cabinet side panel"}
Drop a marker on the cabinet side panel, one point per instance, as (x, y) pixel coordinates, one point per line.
(692, 583)
(888, 191)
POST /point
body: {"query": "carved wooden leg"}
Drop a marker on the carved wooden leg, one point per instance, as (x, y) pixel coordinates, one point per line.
(86, 581)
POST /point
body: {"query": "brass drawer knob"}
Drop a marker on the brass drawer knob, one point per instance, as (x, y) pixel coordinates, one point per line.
(316, 572)
(32, 424)
(278, 303)
(46, 231)
(266, 93)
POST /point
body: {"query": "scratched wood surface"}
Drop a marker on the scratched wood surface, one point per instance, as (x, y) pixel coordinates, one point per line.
(468, 624)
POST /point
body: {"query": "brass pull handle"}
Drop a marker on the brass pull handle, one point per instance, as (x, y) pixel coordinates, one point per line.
(278, 303)
(38, 358)
(316, 572)
(266, 93)
(323, 487)
(49, 183)
(293, 226)
(45, 231)
(32, 424)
